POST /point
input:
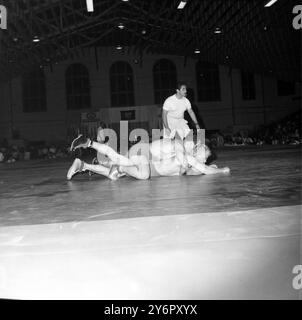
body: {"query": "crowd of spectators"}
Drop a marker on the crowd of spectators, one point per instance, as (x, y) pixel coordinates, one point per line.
(13, 152)
(285, 132)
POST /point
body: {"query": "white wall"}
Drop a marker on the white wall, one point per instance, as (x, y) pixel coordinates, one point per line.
(224, 115)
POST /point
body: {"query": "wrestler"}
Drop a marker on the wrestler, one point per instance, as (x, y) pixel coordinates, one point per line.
(160, 158)
(173, 113)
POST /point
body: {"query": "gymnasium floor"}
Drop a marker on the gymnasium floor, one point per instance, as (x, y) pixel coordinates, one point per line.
(234, 236)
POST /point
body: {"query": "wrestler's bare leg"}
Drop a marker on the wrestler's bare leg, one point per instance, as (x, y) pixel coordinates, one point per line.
(135, 166)
(106, 163)
(111, 154)
(140, 171)
(81, 166)
(97, 168)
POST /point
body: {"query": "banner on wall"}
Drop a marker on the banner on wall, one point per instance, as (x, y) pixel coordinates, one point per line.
(91, 116)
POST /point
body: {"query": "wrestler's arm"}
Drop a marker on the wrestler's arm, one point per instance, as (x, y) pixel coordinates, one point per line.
(166, 108)
(203, 168)
(165, 120)
(193, 117)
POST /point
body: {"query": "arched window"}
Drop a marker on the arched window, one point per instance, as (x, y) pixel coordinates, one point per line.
(121, 84)
(77, 87)
(34, 91)
(164, 80)
(207, 80)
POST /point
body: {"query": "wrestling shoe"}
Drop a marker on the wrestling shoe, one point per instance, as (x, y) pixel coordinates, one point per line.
(77, 166)
(80, 142)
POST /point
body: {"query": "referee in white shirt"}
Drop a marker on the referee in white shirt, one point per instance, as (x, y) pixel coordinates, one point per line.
(173, 113)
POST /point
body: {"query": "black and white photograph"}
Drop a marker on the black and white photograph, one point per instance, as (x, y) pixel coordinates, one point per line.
(150, 150)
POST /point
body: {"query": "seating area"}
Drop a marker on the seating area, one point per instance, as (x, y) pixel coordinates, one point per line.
(12, 152)
(284, 132)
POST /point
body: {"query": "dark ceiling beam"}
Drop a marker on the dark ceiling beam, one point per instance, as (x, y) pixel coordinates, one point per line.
(168, 31)
(253, 26)
(137, 48)
(22, 33)
(72, 32)
(172, 18)
(235, 42)
(156, 18)
(59, 25)
(67, 29)
(206, 41)
(204, 32)
(158, 44)
(146, 16)
(55, 41)
(37, 29)
(69, 32)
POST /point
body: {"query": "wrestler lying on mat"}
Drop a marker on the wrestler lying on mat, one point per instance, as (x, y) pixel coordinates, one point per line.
(163, 157)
